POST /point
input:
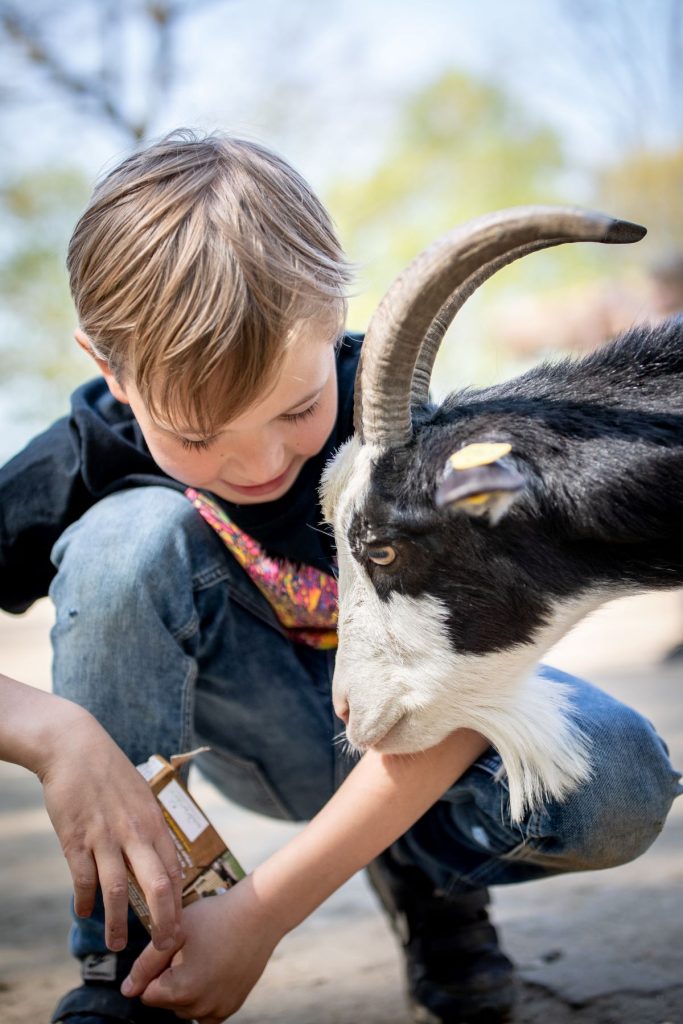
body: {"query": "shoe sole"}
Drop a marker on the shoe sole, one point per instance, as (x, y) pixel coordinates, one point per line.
(493, 1011)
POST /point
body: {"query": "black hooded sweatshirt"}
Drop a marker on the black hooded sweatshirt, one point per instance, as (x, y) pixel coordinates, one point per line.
(98, 449)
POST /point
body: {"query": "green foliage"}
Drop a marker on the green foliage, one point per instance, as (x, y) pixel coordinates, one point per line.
(461, 148)
(37, 312)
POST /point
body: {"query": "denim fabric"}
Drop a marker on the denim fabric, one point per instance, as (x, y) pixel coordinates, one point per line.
(162, 636)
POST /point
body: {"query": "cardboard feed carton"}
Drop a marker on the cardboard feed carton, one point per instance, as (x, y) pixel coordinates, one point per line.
(208, 865)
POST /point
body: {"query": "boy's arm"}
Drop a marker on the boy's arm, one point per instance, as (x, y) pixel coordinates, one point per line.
(102, 809)
(41, 493)
(228, 939)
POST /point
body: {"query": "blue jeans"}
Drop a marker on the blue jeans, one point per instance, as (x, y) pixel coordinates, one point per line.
(165, 640)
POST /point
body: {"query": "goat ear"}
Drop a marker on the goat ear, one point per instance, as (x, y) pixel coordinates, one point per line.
(478, 481)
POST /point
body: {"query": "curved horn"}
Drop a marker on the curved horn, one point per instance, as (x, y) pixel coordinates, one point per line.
(431, 343)
(422, 301)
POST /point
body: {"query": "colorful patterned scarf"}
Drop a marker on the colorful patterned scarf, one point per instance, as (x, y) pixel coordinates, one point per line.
(303, 598)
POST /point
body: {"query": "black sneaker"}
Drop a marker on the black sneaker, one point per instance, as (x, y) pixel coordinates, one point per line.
(456, 971)
(98, 1000)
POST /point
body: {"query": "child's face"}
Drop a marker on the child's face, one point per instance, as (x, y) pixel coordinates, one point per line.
(257, 456)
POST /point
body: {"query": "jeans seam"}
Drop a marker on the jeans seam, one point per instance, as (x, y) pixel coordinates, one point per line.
(187, 727)
(498, 774)
(529, 842)
(480, 876)
(256, 604)
(190, 628)
(212, 574)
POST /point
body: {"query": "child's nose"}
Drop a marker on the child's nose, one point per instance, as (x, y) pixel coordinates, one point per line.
(262, 461)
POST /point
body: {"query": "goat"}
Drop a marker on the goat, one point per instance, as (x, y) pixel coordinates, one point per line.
(472, 535)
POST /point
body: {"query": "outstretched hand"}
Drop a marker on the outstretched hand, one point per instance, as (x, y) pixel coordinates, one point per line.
(107, 818)
(104, 813)
(225, 944)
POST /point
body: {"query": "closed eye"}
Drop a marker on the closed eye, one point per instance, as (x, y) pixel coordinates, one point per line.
(196, 446)
(290, 417)
(297, 417)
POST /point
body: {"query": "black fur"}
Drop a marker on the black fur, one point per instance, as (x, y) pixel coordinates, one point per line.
(599, 442)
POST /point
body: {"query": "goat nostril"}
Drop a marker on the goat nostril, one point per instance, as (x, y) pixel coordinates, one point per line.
(342, 711)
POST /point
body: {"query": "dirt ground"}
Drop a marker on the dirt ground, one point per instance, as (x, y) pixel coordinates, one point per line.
(595, 948)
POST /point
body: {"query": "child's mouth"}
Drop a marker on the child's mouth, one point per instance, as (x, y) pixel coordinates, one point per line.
(266, 488)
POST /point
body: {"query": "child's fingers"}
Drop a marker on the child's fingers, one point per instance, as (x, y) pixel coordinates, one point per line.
(114, 884)
(84, 877)
(161, 892)
(165, 848)
(146, 968)
(167, 993)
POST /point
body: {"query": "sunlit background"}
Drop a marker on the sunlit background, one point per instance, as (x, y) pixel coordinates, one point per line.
(407, 118)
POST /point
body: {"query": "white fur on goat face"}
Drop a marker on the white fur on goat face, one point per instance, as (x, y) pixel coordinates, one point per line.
(407, 689)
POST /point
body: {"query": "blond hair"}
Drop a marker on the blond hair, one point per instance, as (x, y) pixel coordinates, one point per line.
(192, 265)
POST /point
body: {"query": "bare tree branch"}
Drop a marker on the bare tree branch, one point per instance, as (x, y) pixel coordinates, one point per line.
(163, 16)
(104, 89)
(111, 45)
(23, 33)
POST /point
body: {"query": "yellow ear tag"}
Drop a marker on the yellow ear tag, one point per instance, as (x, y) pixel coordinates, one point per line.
(473, 455)
(474, 499)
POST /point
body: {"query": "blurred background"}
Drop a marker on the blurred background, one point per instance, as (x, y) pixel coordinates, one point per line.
(406, 118)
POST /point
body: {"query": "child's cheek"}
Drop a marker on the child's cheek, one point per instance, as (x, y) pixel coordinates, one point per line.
(312, 434)
(191, 468)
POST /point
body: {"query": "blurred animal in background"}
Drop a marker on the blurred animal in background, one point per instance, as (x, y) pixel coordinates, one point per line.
(473, 534)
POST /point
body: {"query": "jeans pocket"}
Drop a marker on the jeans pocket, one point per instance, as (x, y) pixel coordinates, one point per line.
(244, 782)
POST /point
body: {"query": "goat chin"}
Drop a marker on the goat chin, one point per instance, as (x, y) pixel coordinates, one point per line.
(544, 754)
(403, 673)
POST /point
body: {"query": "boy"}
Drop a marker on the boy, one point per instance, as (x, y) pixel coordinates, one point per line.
(210, 292)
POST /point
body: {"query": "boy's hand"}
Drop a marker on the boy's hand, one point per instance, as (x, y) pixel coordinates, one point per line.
(106, 818)
(225, 945)
(226, 941)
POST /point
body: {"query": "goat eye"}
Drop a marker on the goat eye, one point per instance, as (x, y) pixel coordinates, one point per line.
(382, 556)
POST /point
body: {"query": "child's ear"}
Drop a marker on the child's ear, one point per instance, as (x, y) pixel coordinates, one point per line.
(113, 384)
